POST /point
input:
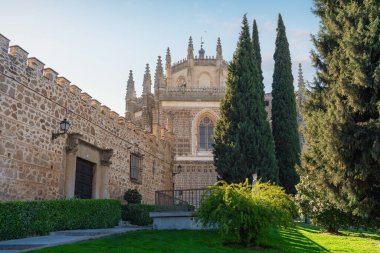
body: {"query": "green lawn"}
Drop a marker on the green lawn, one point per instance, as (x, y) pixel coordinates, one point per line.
(303, 239)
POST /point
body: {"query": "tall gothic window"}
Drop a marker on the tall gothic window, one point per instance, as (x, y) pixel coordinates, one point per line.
(206, 134)
(135, 168)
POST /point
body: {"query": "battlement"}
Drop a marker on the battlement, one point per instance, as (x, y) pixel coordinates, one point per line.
(31, 72)
(207, 61)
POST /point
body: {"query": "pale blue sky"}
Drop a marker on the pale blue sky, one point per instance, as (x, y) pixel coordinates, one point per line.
(94, 44)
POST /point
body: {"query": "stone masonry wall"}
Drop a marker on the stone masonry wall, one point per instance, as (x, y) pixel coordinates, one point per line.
(196, 175)
(198, 171)
(33, 100)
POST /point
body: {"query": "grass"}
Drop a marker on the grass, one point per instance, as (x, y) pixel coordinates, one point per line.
(291, 240)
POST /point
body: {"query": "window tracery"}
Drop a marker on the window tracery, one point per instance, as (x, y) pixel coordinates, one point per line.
(206, 134)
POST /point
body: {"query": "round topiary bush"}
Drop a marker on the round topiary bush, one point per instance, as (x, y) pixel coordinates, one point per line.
(132, 196)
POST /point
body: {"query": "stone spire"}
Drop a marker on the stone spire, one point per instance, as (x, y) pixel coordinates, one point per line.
(168, 65)
(131, 92)
(168, 59)
(159, 75)
(146, 117)
(219, 50)
(159, 84)
(130, 98)
(190, 49)
(147, 83)
(201, 51)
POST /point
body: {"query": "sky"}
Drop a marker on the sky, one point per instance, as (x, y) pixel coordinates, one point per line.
(95, 43)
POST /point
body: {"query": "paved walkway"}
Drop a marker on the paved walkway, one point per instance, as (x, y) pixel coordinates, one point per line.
(61, 237)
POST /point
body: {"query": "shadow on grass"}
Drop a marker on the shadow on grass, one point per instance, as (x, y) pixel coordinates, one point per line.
(364, 234)
(291, 240)
(349, 232)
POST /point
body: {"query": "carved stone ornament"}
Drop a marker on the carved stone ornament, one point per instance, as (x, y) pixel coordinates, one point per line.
(73, 142)
(105, 157)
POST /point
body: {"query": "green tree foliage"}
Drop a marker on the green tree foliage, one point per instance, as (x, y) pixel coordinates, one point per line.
(324, 213)
(132, 196)
(257, 51)
(244, 213)
(342, 155)
(284, 113)
(243, 140)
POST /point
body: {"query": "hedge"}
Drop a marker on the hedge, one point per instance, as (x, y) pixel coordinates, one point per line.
(137, 214)
(28, 218)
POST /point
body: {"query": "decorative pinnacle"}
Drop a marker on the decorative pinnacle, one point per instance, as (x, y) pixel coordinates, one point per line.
(201, 51)
(190, 49)
(158, 76)
(159, 63)
(131, 93)
(147, 83)
(218, 49)
(168, 59)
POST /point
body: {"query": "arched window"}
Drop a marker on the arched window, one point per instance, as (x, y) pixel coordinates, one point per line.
(204, 80)
(206, 134)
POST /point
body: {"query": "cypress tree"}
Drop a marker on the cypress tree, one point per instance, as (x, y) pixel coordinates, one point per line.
(257, 51)
(243, 140)
(342, 131)
(284, 113)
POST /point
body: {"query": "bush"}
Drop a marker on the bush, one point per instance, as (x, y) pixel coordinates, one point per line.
(26, 218)
(137, 214)
(132, 196)
(243, 214)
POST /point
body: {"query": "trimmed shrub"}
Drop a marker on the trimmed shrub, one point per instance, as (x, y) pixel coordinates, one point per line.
(137, 214)
(244, 213)
(20, 219)
(132, 196)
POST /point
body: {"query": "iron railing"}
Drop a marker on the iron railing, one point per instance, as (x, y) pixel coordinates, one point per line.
(179, 200)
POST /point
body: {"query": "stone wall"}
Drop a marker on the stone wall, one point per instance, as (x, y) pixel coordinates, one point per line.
(195, 175)
(33, 100)
(198, 170)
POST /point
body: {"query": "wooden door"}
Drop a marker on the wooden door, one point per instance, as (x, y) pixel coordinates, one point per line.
(83, 179)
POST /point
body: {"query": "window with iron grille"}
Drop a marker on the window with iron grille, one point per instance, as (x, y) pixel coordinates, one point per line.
(206, 134)
(135, 172)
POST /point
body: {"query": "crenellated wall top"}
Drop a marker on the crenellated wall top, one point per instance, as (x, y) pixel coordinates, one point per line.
(46, 81)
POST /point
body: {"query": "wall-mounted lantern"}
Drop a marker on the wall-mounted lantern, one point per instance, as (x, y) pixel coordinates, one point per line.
(64, 126)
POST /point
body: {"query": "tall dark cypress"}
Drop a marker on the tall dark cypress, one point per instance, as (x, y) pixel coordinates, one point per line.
(284, 113)
(243, 140)
(342, 114)
(257, 50)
